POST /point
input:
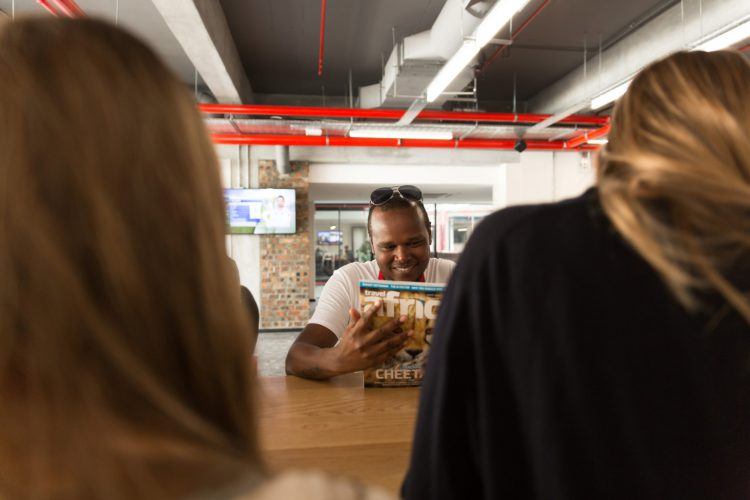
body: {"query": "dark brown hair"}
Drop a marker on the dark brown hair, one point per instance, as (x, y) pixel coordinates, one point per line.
(123, 368)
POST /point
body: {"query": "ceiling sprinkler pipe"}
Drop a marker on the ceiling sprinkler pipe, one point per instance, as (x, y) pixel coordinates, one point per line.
(48, 7)
(322, 36)
(68, 8)
(583, 139)
(392, 114)
(343, 141)
(513, 36)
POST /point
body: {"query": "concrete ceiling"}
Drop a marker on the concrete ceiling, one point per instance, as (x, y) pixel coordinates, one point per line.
(553, 43)
(138, 16)
(278, 42)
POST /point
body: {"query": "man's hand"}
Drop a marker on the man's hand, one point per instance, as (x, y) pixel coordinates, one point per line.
(360, 347)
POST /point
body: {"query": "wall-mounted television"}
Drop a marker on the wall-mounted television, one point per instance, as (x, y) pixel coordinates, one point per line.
(329, 237)
(261, 211)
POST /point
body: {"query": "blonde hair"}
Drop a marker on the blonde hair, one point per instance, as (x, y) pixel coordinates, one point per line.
(674, 178)
(123, 365)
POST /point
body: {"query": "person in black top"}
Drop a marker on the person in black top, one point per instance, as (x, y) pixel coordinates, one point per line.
(249, 304)
(599, 347)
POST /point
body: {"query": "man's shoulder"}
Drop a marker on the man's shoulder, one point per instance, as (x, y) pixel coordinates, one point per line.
(442, 265)
(439, 270)
(358, 270)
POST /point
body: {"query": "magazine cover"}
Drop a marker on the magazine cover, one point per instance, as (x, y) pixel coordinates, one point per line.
(420, 303)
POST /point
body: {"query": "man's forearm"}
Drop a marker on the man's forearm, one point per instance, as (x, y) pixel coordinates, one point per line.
(310, 361)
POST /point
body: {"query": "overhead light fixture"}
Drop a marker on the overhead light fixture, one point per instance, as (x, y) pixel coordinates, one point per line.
(610, 95)
(332, 228)
(497, 17)
(314, 131)
(401, 133)
(598, 141)
(726, 39)
(714, 42)
(452, 68)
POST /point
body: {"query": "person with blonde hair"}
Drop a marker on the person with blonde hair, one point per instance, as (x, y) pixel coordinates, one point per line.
(124, 353)
(599, 347)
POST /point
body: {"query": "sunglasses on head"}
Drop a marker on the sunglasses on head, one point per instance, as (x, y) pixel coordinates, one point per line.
(382, 195)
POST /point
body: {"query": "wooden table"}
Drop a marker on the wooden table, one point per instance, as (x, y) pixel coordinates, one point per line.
(338, 426)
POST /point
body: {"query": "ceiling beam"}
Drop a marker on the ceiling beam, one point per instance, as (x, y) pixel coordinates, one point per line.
(201, 29)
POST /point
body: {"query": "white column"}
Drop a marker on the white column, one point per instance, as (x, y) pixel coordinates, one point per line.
(500, 187)
(239, 169)
(574, 173)
(531, 180)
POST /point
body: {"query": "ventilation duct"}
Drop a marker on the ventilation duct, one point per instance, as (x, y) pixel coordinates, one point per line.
(680, 27)
(282, 160)
(415, 61)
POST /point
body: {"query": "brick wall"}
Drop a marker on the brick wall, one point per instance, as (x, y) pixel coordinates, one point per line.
(285, 259)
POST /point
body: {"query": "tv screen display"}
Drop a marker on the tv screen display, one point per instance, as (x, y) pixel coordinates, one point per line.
(329, 237)
(261, 211)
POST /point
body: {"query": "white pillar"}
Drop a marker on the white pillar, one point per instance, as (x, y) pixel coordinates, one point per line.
(239, 169)
(500, 187)
(531, 180)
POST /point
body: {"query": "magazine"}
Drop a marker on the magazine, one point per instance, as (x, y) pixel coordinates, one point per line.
(420, 303)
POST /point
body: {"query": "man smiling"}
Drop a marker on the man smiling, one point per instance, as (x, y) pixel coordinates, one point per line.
(337, 339)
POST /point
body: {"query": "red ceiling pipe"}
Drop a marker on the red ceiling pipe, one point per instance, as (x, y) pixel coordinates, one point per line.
(73, 6)
(68, 8)
(391, 114)
(745, 48)
(587, 136)
(302, 140)
(513, 36)
(322, 36)
(48, 7)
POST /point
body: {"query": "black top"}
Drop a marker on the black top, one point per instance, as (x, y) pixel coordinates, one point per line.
(562, 368)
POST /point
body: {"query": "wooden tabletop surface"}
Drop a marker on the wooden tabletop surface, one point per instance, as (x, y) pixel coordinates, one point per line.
(338, 426)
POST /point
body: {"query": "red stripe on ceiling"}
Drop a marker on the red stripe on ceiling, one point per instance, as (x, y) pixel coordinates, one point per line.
(322, 36)
(392, 114)
(299, 140)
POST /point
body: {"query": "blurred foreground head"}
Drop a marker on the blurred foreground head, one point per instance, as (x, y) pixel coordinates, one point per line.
(675, 175)
(123, 369)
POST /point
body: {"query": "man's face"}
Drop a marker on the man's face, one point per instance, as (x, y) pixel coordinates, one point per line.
(400, 242)
(280, 203)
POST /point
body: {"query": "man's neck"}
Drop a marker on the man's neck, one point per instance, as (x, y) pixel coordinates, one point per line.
(382, 278)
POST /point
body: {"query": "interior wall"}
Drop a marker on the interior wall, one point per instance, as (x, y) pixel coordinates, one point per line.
(546, 176)
(285, 258)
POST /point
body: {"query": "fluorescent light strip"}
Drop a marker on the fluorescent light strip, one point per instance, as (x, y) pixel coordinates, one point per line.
(452, 68)
(598, 141)
(493, 21)
(717, 42)
(496, 18)
(610, 95)
(726, 39)
(401, 133)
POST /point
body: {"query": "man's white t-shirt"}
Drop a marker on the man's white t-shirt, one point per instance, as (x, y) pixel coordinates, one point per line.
(341, 292)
